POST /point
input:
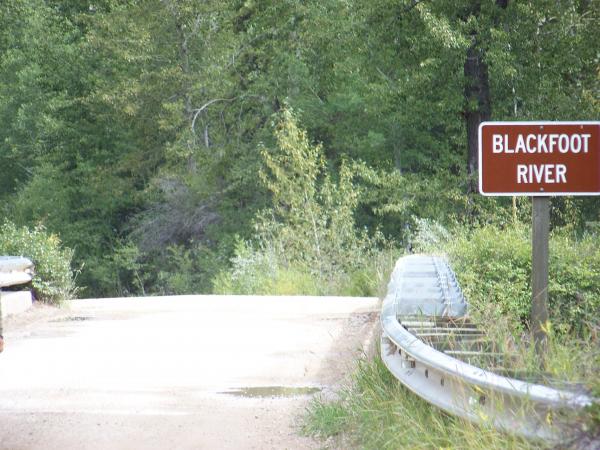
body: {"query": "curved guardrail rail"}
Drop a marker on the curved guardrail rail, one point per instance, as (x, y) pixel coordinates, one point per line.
(425, 304)
(15, 270)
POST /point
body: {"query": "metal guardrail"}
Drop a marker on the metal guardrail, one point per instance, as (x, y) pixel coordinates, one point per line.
(15, 270)
(424, 305)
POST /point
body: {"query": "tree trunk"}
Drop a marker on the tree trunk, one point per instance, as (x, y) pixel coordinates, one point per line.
(477, 98)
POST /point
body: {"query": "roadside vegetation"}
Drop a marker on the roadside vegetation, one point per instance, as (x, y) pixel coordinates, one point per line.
(377, 412)
(156, 138)
(53, 281)
(493, 265)
(284, 147)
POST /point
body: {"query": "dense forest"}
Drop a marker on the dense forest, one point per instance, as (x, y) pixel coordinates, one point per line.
(174, 145)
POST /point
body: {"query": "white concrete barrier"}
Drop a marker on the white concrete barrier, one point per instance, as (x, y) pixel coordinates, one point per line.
(14, 271)
(14, 302)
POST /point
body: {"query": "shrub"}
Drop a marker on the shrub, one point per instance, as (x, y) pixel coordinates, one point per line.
(430, 236)
(53, 281)
(311, 222)
(260, 271)
(252, 272)
(307, 242)
(574, 281)
(493, 265)
(185, 270)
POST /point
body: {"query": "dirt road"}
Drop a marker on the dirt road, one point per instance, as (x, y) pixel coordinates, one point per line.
(191, 372)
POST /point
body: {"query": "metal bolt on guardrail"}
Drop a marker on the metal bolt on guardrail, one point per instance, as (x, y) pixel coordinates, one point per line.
(430, 345)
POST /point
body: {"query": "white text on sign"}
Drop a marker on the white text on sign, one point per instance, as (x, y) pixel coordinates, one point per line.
(542, 143)
(543, 173)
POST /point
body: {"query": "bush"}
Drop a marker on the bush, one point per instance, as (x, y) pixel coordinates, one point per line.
(262, 272)
(252, 272)
(493, 265)
(307, 242)
(575, 281)
(53, 281)
(311, 222)
(185, 270)
(174, 270)
(494, 269)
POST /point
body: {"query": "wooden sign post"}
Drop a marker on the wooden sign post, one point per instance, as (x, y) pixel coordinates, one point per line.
(539, 159)
(539, 269)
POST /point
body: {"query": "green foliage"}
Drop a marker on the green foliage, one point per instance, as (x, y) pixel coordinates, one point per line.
(430, 236)
(262, 272)
(398, 203)
(493, 265)
(252, 272)
(185, 271)
(122, 271)
(312, 219)
(307, 243)
(130, 128)
(574, 281)
(377, 412)
(175, 271)
(53, 281)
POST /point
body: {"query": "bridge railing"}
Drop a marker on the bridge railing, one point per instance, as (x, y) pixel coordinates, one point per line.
(423, 305)
(15, 270)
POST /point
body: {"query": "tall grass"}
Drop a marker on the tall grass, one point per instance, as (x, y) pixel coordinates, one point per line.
(377, 412)
(493, 265)
(262, 271)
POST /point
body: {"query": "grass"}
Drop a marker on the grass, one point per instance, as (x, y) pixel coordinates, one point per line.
(377, 412)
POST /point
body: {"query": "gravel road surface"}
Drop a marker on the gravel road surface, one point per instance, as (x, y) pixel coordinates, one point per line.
(187, 372)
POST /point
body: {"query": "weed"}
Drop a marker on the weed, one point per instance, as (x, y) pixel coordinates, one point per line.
(377, 412)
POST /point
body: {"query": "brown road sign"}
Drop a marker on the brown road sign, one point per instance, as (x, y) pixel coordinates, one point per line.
(539, 158)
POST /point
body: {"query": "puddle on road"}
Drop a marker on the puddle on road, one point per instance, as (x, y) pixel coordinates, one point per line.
(272, 391)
